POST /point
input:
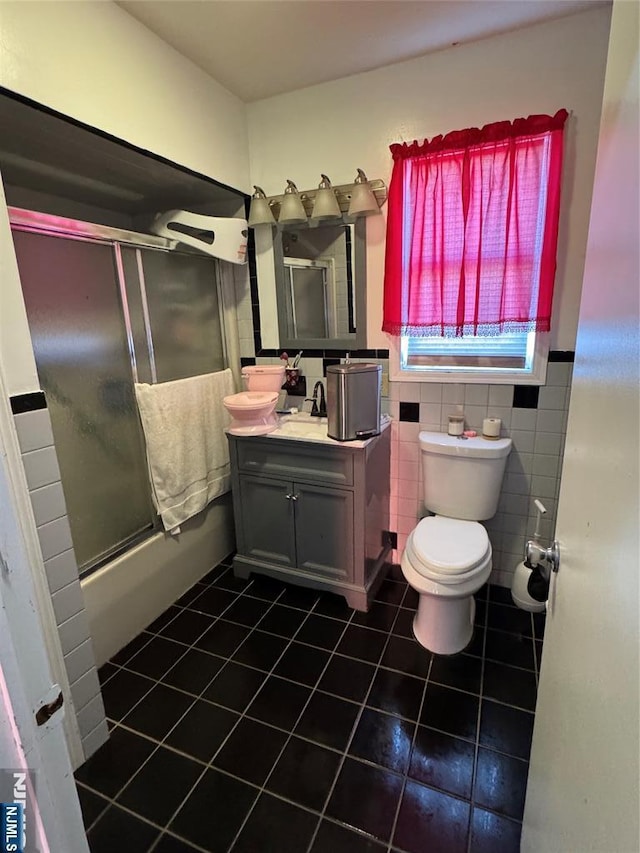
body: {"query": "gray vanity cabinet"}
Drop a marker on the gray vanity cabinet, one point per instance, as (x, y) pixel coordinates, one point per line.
(268, 532)
(298, 525)
(312, 513)
(324, 531)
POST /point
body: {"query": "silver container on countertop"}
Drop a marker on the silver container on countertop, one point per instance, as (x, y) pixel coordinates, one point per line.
(353, 401)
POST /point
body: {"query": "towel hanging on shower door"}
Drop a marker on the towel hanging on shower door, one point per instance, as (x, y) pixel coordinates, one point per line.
(187, 451)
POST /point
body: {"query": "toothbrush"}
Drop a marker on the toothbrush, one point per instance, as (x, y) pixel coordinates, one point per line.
(296, 360)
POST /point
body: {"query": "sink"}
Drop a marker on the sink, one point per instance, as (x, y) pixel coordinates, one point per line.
(303, 426)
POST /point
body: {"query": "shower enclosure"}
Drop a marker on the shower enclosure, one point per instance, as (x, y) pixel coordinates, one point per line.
(107, 308)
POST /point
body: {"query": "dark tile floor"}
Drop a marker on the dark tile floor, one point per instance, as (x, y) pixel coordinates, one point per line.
(256, 716)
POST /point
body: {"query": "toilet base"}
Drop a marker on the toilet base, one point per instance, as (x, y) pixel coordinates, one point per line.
(444, 625)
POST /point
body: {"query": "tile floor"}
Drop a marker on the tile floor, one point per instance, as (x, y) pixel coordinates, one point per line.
(256, 716)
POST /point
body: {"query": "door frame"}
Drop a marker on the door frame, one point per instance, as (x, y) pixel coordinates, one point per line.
(43, 602)
(29, 669)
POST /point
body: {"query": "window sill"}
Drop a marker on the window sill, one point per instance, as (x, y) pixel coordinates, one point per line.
(537, 376)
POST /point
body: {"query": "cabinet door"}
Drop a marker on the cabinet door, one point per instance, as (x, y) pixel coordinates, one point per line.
(324, 531)
(267, 520)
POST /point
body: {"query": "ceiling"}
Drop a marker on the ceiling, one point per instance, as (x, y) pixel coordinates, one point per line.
(260, 48)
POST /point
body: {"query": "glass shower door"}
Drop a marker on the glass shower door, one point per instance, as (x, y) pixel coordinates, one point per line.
(79, 338)
(184, 314)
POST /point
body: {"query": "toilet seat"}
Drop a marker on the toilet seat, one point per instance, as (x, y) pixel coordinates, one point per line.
(448, 550)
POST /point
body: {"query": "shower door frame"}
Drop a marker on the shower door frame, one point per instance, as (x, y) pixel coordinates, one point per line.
(72, 229)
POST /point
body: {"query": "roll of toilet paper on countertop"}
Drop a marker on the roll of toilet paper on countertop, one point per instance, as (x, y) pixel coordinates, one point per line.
(491, 427)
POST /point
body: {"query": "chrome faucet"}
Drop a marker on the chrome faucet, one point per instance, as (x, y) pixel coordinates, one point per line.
(319, 408)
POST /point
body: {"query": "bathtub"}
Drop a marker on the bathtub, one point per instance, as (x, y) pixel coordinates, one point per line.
(127, 594)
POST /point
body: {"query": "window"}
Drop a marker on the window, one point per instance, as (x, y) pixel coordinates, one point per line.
(471, 248)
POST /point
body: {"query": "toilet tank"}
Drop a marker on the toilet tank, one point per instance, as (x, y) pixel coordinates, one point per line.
(462, 476)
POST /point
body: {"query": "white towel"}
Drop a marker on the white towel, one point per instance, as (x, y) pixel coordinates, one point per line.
(187, 450)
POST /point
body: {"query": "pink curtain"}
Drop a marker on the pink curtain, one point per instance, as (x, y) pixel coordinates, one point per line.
(472, 230)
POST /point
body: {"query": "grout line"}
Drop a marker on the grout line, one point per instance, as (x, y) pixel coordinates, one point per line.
(354, 728)
(312, 692)
(333, 653)
(535, 652)
(394, 825)
(324, 817)
(242, 716)
(161, 742)
(111, 802)
(108, 802)
(310, 740)
(476, 750)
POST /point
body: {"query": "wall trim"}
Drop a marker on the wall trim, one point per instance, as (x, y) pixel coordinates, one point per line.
(32, 402)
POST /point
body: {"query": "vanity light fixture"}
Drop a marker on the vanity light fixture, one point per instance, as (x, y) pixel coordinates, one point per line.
(363, 201)
(260, 210)
(360, 198)
(326, 204)
(291, 209)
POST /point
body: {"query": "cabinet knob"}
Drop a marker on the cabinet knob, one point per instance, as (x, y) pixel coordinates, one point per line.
(292, 497)
(288, 497)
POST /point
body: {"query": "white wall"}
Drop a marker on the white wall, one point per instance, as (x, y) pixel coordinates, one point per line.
(95, 63)
(335, 127)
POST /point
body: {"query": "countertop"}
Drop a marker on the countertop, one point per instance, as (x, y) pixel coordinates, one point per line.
(302, 427)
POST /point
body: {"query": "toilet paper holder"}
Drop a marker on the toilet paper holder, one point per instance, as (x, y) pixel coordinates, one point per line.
(535, 554)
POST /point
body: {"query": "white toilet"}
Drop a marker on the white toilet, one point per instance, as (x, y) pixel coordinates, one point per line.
(448, 555)
(253, 410)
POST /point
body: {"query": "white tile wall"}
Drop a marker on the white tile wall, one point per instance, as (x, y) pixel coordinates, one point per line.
(67, 602)
(48, 503)
(79, 661)
(73, 632)
(533, 468)
(50, 512)
(55, 537)
(92, 741)
(61, 570)
(85, 689)
(34, 430)
(91, 715)
(41, 467)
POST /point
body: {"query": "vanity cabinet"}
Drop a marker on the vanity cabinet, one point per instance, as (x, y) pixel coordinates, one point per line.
(298, 525)
(313, 513)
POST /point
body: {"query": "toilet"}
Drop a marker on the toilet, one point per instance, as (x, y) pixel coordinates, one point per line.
(253, 410)
(448, 555)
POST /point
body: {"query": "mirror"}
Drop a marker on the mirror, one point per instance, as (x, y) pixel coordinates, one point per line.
(320, 284)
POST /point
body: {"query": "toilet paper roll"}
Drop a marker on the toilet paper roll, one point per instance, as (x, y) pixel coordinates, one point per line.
(491, 428)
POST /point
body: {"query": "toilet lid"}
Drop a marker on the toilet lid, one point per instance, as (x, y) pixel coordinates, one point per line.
(449, 546)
